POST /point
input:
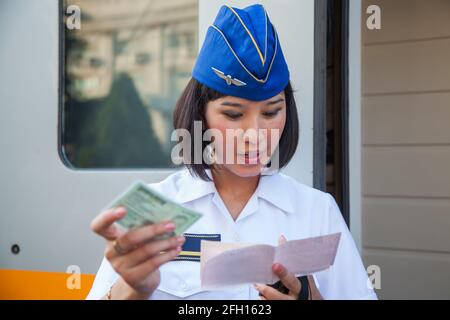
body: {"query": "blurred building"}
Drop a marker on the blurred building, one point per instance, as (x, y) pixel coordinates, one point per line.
(153, 41)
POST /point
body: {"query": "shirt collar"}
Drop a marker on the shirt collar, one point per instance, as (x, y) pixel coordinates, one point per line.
(275, 189)
(192, 188)
(272, 187)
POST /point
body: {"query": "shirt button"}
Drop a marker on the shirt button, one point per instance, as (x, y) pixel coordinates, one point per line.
(236, 237)
(183, 285)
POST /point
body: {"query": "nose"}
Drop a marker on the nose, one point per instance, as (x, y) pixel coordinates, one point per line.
(251, 130)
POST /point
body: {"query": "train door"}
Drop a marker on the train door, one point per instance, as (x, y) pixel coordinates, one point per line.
(86, 110)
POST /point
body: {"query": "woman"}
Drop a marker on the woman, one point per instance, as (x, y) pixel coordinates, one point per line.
(240, 84)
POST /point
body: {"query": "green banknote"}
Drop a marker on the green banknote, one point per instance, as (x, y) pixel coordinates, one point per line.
(146, 206)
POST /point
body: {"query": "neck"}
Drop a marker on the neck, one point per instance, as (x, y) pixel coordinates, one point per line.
(234, 190)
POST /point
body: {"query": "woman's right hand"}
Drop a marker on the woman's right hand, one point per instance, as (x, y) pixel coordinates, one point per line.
(135, 255)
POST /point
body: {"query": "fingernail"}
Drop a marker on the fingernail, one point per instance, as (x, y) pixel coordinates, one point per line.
(170, 226)
(282, 239)
(180, 239)
(120, 211)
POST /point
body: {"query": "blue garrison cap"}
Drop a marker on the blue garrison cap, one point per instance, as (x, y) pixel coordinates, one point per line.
(241, 55)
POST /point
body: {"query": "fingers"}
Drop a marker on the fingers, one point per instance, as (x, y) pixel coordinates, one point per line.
(315, 293)
(282, 240)
(149, 250)
(137, 237)
(103, 224)
(144, 269)
(288, 279)
(269, 293)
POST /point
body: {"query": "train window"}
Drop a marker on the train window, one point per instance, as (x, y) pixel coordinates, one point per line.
(123, 70)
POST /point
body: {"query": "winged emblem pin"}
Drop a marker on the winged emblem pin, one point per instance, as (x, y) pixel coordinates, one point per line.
(229, 80)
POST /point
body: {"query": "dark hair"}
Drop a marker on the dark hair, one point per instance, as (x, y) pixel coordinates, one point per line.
(191, 106)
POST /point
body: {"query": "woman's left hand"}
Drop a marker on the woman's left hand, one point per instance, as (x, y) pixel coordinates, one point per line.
(289, 280)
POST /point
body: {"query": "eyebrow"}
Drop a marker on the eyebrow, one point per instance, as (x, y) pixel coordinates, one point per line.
(270, 103)
(236, 104)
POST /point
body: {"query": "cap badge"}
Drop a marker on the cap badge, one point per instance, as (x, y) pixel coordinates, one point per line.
(229, 80)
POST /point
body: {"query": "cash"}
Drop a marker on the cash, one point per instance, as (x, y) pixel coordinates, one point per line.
(146, 206)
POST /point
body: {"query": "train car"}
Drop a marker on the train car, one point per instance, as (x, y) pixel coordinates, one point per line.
(87, 91)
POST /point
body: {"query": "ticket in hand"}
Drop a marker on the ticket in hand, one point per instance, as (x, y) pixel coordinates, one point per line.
(228, 264)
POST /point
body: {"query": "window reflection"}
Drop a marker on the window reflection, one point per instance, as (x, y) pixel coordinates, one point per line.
(124, 71)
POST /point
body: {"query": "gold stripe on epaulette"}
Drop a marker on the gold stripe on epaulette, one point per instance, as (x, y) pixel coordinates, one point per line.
(189, 253)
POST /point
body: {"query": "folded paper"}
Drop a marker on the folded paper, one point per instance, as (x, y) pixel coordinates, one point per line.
(229, 264)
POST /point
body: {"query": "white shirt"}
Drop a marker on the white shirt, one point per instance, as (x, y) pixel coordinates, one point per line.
(279, 206)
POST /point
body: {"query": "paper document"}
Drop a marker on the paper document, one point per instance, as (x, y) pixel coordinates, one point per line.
(228, 264)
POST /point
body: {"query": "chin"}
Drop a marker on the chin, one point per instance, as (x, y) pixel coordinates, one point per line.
(245, 171)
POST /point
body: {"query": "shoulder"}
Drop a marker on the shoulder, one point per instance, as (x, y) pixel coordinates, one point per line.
(181, 186)
(307, 204)
(171, 184)
(301, 191)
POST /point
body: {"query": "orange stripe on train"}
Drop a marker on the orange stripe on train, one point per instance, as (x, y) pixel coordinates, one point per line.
(42, 285)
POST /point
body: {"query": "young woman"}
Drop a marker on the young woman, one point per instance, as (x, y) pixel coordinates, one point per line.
(240, 84)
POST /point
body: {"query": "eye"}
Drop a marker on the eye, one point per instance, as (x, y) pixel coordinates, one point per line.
(233, 115)
(271, 114)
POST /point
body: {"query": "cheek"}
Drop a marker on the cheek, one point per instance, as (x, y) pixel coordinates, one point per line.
(275, 129)
(216, 121)
(221, 149)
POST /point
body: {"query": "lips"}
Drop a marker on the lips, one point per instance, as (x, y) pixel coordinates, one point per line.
(250, 157)
(252, 154)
